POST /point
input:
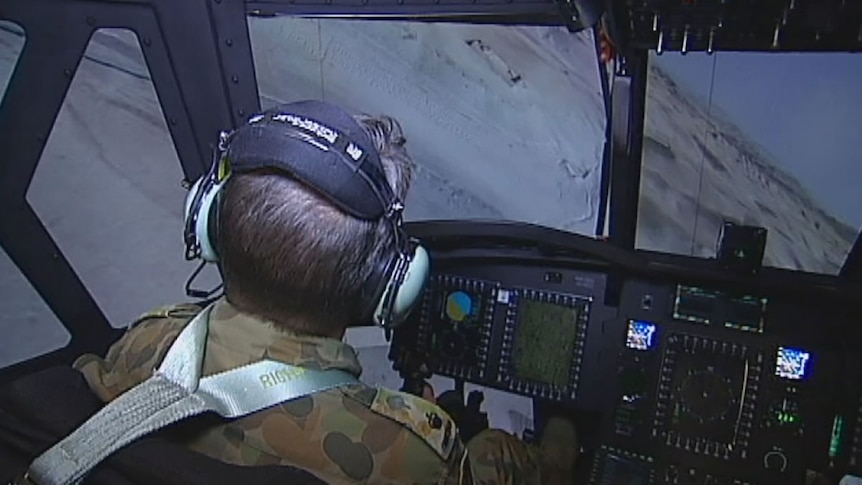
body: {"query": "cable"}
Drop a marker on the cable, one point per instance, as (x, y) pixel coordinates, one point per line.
(463, 462)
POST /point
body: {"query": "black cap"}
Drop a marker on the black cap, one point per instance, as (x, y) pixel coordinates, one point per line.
(322, 146)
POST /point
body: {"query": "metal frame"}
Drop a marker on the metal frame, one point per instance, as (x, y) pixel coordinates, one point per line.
(204, 78)
(628, 106)
(607, 152)
(852, 267)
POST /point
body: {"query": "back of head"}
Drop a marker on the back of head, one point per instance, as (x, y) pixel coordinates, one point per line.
(291, 255)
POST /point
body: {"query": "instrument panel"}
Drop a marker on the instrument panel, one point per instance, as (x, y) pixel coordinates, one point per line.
(530, 340)
(694, 385)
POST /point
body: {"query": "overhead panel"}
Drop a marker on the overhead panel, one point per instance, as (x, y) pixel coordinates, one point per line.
(741, 25)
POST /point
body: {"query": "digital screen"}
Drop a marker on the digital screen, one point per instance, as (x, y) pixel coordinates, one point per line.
(640, 335)
(545, 342)
(461, 307)
(693, 304)
(746, 313)
(791, 363)
(622, 471)
(707, 383)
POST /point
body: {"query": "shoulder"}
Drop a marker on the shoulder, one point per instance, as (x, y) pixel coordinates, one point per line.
(181, 313)
(154, 331)
(133, 357)
(423, 419)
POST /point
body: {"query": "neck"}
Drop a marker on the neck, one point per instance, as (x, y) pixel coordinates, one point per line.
(304, 328)
(291, 324)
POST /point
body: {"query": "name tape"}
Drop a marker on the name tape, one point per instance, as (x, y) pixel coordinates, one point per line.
(281, 376)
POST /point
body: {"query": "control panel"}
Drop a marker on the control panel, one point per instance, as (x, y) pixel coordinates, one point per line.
(694, 385)
(457, 316)
(710, 391)
(526, 340)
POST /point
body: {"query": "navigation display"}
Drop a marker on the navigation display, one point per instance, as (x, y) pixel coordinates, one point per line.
(708, 307)
(694, 304)
(746, 313)
(460, 307)
(545, 342)
(640, 335)
(791, 363)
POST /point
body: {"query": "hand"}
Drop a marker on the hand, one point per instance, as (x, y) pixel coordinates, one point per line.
(428, 393)
(607, 49)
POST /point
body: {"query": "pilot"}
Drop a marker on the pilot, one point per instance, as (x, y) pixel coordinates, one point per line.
(295, 267)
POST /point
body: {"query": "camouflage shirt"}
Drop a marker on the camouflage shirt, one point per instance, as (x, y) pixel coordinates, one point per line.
(349, 435)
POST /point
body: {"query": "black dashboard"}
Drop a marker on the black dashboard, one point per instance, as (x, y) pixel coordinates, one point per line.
(696, 376)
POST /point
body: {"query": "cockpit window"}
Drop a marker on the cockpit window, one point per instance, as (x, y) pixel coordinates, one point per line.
(756, 138)
(30, 328)
(504, 122)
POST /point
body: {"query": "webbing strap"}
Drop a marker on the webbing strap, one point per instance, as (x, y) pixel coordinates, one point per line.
(175, 392)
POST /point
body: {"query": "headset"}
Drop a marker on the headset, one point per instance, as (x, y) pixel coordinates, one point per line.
(337, 158)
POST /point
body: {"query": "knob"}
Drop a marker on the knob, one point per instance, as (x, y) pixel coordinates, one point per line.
(775, 460)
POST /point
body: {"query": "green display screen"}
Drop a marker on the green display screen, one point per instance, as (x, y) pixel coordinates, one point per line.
(544, 342)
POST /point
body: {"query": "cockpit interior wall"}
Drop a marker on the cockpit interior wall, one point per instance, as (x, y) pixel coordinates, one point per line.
(763, 139)
(489, 111)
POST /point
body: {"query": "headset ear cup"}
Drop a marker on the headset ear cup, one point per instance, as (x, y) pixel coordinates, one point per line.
(190, 200)
(207, 210)
(407, 293)
(199, 209)
(192, 208)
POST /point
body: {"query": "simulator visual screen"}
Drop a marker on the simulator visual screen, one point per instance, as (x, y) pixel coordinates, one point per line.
(761, 139)
(544, 342)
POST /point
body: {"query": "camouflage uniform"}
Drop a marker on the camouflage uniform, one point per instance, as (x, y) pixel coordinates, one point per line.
(348, 435)
(344, 436)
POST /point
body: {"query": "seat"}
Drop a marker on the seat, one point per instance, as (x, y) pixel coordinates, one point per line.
(38, 410)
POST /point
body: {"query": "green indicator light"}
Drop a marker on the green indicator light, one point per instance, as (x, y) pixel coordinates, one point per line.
(837, 432)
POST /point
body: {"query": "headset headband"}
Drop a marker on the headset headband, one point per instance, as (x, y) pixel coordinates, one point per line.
(288, 141)
(339, 161)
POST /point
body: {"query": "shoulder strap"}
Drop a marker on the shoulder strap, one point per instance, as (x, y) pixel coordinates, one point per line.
(174, 392)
